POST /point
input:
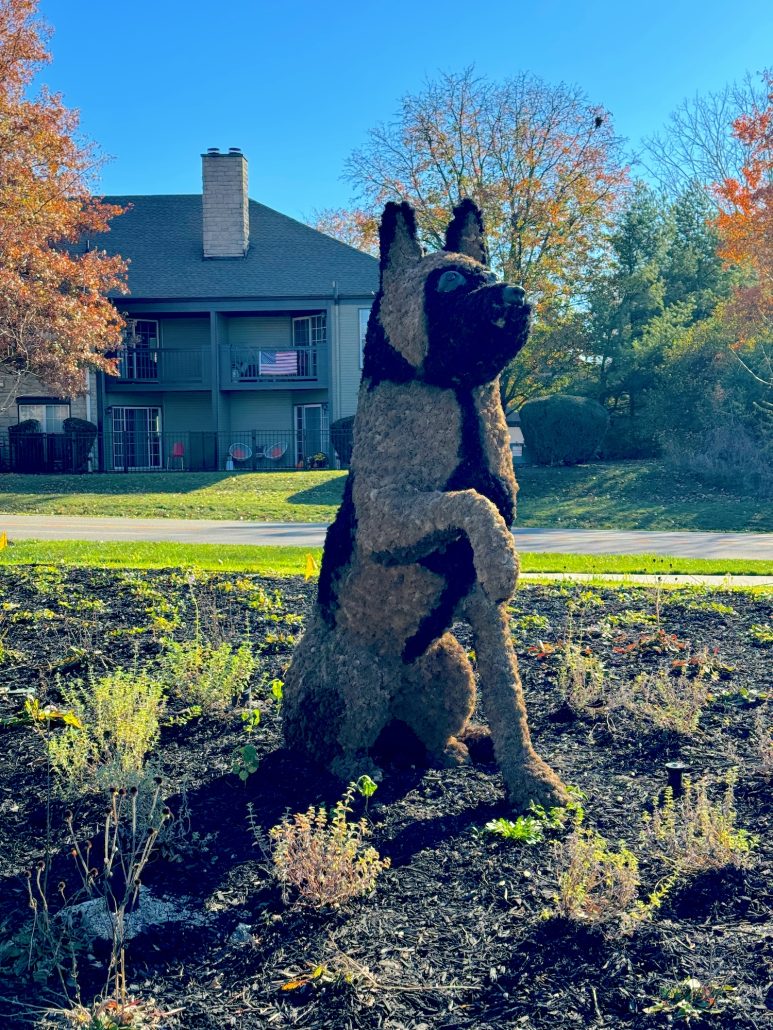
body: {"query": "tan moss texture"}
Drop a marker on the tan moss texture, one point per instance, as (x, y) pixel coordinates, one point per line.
(422, 538)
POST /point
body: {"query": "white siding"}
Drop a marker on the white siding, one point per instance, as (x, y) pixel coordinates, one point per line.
(30, 386)
(347, 358)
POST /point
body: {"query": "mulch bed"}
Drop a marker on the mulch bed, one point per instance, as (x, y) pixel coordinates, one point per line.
(455, 934)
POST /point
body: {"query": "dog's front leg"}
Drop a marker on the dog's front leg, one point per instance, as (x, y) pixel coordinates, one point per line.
(401, 527)
(527, 777)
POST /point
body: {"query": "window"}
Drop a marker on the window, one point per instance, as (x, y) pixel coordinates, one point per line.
(142, 332)
(311, 431)
(309, 331)
(139, 356)
(136, 438)
(49, 411)
(364, 316)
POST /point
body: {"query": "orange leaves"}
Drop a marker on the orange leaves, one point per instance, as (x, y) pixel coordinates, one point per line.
(356, 228)
(745, 222)
(55, 319)
(542, 164)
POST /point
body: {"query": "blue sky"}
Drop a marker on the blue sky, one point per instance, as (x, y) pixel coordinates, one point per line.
(297, 84)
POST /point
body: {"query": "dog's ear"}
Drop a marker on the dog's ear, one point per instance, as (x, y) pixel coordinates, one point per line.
(397, 235)
(465, 233)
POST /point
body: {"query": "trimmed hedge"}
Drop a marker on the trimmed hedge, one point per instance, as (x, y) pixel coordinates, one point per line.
(342, 438)
(560, 429)
(81, 435)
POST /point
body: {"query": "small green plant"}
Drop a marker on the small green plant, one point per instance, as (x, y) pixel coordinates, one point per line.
(526, 829)
(111, 1014)
(184, 716)
(595, 882)
(112, 723)
(630, 617)
(692, 834)
(531, 829)
(717, 607)
(277, 688)
(278, 641)
(672, 703)
(323, 856)
(200, 673)
(690, 999)
(762, 634)
(705, 665)
(589, 599)
(245, 760)
(581, 678)
(532, 624)
(366, 788)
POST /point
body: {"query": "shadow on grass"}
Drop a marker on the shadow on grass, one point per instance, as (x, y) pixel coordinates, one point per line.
(324, 493)
(54, 488)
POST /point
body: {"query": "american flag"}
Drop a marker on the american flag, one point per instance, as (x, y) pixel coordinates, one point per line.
(279, 363)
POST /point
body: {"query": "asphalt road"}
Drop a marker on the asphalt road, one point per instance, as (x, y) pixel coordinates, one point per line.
(212, 531)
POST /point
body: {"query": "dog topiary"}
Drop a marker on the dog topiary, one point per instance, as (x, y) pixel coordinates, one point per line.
(422, 537)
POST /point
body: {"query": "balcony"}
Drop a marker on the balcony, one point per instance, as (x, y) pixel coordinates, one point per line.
(273, 368)
(168, 368)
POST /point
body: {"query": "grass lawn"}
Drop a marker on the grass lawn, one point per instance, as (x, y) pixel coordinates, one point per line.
(288, 561)
(604, 495)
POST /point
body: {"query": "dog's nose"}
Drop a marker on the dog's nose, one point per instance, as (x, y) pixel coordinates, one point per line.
(514, 295)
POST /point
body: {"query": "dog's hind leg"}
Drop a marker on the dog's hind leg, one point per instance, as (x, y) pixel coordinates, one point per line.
(337, 699)
(527, 777)
(437, 698)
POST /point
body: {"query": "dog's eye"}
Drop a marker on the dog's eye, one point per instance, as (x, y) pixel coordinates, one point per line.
(449, 281)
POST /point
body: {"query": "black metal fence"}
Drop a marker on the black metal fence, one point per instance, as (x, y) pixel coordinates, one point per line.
(143, 451)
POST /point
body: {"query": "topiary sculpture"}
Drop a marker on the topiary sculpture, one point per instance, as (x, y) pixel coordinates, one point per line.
(422, 537)
(561, 429)
(81, 435)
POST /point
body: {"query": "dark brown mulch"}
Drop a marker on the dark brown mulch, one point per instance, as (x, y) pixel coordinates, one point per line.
(455, 935)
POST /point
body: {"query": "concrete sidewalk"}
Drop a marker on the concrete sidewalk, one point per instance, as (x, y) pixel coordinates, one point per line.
(213, 531)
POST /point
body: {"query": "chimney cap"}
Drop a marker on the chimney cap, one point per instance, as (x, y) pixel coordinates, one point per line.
(234, 150)
(213, 150)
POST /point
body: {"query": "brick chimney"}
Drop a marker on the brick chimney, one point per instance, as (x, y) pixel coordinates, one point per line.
(225, 204)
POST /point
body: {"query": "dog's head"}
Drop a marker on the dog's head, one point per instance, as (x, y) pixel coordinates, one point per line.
(443, 317)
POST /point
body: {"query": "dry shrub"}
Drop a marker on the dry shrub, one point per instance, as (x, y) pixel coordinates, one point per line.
(581, 678)
(726, 457)
(595, 882)
(323, 855)
(693, 834)
(672, 703)
(200, 673)
(113, 723)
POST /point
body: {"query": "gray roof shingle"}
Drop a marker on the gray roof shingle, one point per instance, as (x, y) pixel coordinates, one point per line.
(162, 238)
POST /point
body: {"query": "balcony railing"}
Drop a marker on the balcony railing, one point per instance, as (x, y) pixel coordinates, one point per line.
(276, 365)
(142, 450)
(169, 365)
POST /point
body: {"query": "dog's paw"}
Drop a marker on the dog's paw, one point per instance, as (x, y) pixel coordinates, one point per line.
(535, 783)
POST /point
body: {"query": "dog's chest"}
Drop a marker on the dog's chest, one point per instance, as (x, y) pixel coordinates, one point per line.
(408, 434)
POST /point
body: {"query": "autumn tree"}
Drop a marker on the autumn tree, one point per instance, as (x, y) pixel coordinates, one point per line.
(745, 225)
(542, 163)
(696, 145)
(354, 227)
(55, 318)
